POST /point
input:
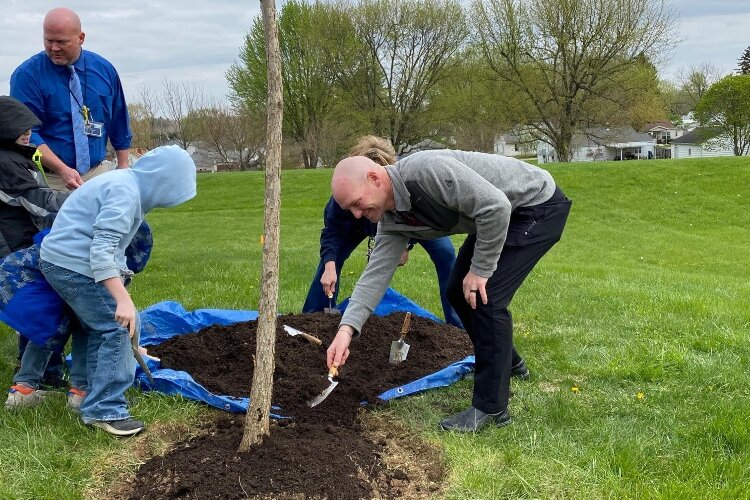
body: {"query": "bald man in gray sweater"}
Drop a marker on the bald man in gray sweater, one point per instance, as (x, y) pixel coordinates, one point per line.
(512, 213)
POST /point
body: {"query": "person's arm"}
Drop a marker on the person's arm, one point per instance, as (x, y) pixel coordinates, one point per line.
(122, 158)
(19, 188)
(367, 294)
(337, 225)
(69, 176)
(118, 129)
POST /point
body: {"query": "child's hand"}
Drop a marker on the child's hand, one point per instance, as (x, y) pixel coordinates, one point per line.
(126, 315)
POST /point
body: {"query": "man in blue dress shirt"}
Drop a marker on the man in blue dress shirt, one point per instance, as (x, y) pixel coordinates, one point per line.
(44, 84)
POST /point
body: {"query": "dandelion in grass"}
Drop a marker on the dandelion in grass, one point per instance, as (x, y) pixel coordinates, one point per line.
(575, 389)
(640, 396)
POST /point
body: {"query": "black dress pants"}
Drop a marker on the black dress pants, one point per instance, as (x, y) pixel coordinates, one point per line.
(531, 233)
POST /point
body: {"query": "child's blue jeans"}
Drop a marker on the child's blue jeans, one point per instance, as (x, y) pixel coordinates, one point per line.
(101, 346)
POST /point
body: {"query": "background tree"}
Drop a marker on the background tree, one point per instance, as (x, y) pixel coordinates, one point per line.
(308, 78)
(471, 106)
(257, 420)
(233, 133)
(568, 56)
(405, 48)
(744, 62)
(179, 103)
(726, 105)
(696, 80)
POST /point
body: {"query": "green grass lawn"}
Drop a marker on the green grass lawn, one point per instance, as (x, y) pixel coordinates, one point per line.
(635, 327)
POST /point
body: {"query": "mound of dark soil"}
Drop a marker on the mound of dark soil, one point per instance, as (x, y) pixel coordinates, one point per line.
(321, 452)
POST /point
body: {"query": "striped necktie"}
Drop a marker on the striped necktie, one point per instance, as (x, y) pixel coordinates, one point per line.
(81, 140)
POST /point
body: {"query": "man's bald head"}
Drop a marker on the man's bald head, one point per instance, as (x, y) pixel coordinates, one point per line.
(362, 186)
(63, 37)
(350, 172)
(62, 17)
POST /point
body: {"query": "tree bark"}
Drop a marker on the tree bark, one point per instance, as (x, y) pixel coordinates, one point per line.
(258, 413)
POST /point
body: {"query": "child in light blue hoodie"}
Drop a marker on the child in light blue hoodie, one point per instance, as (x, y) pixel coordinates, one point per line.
(83, 258)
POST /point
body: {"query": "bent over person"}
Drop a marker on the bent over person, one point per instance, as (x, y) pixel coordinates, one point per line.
(512, 212)
(342, 233)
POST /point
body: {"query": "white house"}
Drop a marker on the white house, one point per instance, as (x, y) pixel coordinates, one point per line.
(663, 131)
(597, 144)
(703, 142)
(512, 144)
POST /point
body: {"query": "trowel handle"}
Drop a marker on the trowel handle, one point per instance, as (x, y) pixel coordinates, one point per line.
(405, 328)
(311, 338)
(333, 371)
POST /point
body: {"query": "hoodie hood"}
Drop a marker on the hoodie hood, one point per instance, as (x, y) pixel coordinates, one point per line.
(15, 119)
(165, 176)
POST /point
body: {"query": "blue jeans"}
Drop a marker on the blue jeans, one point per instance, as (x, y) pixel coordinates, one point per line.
(440, 250)
(101, 347)
(54, 374)
(37, 361)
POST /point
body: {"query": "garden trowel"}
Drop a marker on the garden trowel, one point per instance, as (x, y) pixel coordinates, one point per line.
(399, 348)
(330, 309)
(134, 341)
(310, 338)
(332, 373)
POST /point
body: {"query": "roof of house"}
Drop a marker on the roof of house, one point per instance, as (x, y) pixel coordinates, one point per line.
(664, 124)
(698, 136)
(615, 137)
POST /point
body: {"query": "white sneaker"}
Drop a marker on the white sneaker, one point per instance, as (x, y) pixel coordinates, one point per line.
(20, 395)
(75, 398)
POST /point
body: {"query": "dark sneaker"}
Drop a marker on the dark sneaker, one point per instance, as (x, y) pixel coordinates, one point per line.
(126, 427)
(520, 371)
(472, 420)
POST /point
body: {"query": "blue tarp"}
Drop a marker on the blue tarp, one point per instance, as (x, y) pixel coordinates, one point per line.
(168, 319)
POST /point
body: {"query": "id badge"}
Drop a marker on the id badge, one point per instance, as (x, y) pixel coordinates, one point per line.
(93, 129)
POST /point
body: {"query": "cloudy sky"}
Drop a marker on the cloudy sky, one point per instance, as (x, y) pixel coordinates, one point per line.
(196, 41)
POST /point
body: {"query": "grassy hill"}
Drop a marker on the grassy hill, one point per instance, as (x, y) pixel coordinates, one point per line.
(635, 327)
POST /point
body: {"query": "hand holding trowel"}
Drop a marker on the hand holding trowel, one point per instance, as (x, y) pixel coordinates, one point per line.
(330, 309)
(399, 348)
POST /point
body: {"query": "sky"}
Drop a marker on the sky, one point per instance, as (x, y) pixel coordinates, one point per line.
(196, 41)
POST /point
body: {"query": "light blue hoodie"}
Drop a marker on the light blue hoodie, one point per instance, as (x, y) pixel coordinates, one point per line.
(98, 220)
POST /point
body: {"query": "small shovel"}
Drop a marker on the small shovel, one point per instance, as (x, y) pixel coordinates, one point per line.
(310, 338)
(399, 348)
(330, 309)
(333, 372)
(134, 341)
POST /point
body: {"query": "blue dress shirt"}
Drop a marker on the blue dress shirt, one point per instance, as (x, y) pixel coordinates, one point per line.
(43, 87)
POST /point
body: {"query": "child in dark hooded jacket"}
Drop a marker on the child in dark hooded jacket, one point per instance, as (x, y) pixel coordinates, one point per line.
(27, 205)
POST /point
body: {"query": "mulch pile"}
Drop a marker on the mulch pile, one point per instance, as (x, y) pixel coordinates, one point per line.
(321, 452)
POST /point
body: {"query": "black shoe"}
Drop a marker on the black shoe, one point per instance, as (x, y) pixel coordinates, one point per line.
(126, 427)
(472, 420)
(520, 371)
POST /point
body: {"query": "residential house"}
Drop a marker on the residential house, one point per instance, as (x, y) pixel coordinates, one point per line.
(703, 142)
(513, 144)
(663, 132)
(598, 144)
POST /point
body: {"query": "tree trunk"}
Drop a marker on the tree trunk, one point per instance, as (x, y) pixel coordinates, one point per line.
(258, 412)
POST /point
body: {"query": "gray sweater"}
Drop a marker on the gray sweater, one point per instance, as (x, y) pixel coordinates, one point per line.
(461, 193)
